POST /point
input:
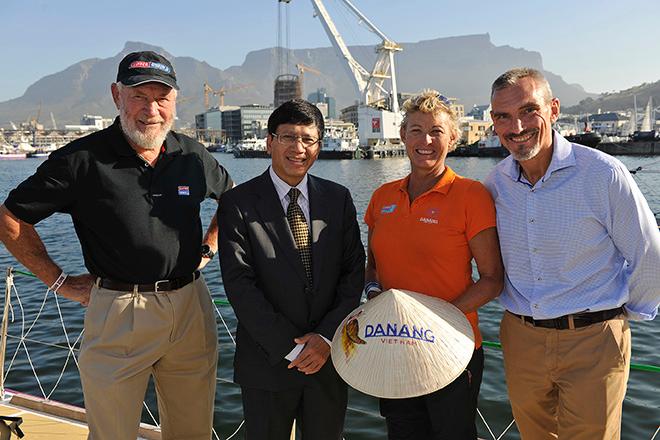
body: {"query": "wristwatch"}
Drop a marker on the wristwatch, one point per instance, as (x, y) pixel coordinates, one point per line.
(207, 251)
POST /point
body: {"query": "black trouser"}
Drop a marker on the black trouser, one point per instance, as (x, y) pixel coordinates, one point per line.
(319, 412)
(447, 414)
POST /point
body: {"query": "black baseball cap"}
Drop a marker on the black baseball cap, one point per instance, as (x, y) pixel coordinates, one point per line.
(142, 67)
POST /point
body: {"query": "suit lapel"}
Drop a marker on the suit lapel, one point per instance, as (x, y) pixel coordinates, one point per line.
(319, 214)
(274, 220)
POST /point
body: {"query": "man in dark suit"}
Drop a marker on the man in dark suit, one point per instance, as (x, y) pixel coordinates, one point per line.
(293, 267)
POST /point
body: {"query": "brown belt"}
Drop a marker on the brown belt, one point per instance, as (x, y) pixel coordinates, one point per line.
(158, 286)
(578, 319)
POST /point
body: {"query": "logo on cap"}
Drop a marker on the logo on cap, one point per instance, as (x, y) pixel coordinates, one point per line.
(149, 65)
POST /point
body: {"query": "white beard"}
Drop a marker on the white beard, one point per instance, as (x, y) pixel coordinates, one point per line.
(530, 154)
(147, 141)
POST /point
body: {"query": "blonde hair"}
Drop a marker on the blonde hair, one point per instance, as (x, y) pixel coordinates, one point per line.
(431, 101)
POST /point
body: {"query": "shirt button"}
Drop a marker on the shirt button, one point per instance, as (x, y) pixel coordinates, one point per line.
(539, 279)
(536, 306)
(532, 190)
(531, 220)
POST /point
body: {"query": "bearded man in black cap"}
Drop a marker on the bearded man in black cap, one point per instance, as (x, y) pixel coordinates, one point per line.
(133, 191)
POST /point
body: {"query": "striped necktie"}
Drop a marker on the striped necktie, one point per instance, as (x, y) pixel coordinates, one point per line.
(298, 225)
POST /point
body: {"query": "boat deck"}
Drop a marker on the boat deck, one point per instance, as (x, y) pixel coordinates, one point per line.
(41, 426)
(51, 420)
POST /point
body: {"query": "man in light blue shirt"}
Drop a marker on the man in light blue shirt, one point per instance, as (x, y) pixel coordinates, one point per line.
(581, 251)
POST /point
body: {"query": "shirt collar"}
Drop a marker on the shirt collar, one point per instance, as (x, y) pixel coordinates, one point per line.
(442, 186)
(562, 157)
(283, 188)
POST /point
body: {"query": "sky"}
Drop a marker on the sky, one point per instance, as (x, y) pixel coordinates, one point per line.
(603, 45)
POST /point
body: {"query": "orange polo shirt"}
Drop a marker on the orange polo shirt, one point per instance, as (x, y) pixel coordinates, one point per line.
(423, 246)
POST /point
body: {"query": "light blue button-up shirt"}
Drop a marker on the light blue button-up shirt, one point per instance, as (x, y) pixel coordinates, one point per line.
(581, 239)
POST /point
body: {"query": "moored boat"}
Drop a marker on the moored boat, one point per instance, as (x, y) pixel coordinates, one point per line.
(340, 140)
(588, 138)
(251, 148)
(8, 152)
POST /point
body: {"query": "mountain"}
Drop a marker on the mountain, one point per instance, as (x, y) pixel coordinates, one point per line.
(622, 100)
(462, 67)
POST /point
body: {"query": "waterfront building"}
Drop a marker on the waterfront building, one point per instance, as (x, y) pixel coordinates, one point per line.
(610, 123)
(321, 96)
(90, 123)
(350, 114)
(208, 125)
(480, 112)
(472, 130)
(246, 121)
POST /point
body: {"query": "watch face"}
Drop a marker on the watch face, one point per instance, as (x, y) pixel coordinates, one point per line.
(207, 252)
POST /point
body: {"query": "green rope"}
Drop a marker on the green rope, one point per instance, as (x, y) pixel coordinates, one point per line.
(27, 274)
(638, 367)
(224, 302)
(491, 344)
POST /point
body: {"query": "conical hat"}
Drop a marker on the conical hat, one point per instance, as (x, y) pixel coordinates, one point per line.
(402, 344)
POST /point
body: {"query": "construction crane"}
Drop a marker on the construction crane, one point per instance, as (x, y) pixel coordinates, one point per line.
(302, 68)
(52, 120)
(32, 123)
(207, 90)
(368, 85)
(222, 90)
(220, 93)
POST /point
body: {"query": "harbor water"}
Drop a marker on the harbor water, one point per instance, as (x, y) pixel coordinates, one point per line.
(641, 407)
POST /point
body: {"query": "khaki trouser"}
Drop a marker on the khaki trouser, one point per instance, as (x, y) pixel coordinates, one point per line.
(566, 384)
(130, 336)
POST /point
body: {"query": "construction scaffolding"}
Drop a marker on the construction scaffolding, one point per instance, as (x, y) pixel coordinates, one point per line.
(287, 87)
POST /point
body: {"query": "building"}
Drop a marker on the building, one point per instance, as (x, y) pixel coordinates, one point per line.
(472, 130)
(323, 107)
(607, 123)
(480, 112)
(459, 109)
(89, 123)
(350, 114)
(231, 124)
(287, 87)
(321, 97)
(246, 121)
(208, 125)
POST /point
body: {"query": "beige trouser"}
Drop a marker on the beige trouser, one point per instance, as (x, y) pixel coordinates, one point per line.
(566, 384)
(130, 336)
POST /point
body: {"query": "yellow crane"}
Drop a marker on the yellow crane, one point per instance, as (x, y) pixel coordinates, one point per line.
(302, 68)
(222, 90)
(207, 90)
(220, 93)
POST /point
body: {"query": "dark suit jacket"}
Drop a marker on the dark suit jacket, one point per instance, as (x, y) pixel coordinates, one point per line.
(264, 277)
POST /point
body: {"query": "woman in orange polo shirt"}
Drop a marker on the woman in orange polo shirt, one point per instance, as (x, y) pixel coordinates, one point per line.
(424, 231)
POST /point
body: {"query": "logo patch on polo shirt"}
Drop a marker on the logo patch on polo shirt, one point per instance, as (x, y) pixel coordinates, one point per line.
(388, 209)
(184, 190)
(429, 218)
